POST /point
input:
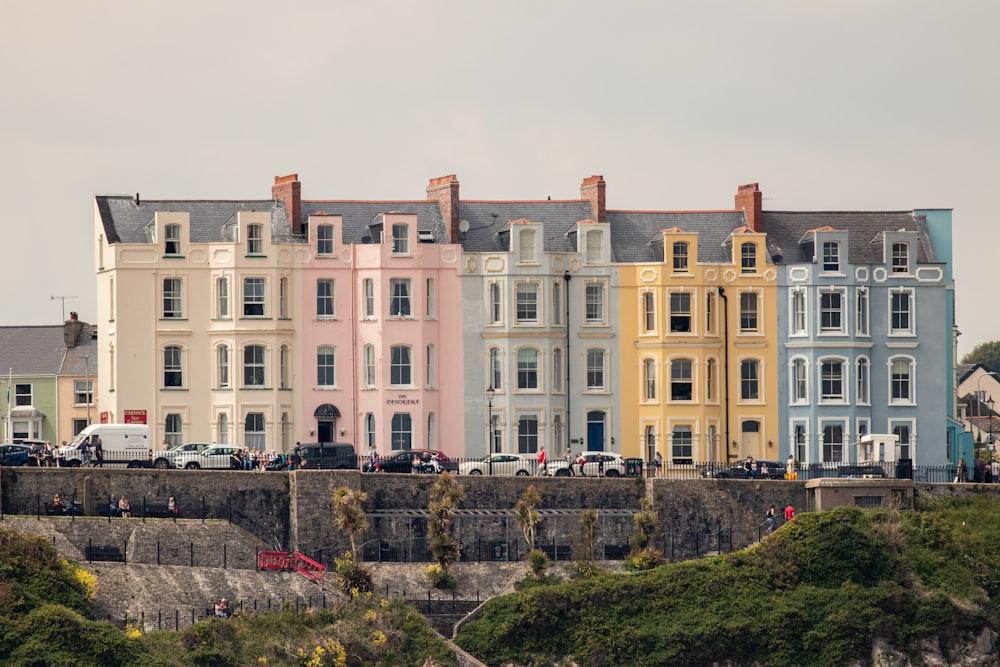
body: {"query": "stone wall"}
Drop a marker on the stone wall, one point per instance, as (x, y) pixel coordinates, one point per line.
(293, 511)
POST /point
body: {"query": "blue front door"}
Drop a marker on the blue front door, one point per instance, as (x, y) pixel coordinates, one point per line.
(595, 431)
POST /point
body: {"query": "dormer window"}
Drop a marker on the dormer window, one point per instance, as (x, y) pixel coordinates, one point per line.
(400, 239)
(172, 239)
(255, 239)
(680, 257)
(900, 258)
(594, 247)
(526, 245)
(748, 258)
(324, 240)
(831, 256)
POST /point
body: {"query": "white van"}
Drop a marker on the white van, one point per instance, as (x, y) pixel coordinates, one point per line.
(122, 443)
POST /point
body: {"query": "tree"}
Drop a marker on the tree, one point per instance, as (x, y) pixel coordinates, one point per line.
(527, 514)
(348, 515)
(446, 494)
(987, 354)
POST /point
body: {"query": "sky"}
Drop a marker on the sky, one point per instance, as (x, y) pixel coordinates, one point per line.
(842, 105)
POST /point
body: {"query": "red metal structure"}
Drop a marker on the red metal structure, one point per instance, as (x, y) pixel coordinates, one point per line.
(281, 560)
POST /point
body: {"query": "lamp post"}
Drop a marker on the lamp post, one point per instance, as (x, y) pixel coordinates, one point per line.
(489, 426)
(979, 413)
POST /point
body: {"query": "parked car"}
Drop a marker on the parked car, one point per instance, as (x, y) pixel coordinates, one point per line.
(14, 455)
(499, 464)
(216, 457)
(165, 458)
(402, 461)
(327, 456)
(765, 470)
(614, 465)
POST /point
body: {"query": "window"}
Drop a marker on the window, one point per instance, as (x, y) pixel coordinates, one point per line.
(527, 434)
(649, 379)
(527, 302)
(369, 380)
(832, 380)
(749, 380)
(283, 367)
(222, 363)
(283, 298)
(172, 298)
(325, 299)
(172, 373)
(253, 366)
(648, 312)
(798, 312)
(253, 431)
(649, 436)
(831, 256)
(680, 312)
(172, 429)
(83, 392)
(429, 311)
(833, 443)
(324, 240)
(831, 317)
(222, 298)
(680, 257)
(900, 258)
(681, 380)
(496, 305)
(326, 366)
(172, 239)
(253, 297)
(223, 429)
(557, 370)
(255, 239)
(526, 247)
(863, 380)
(710, 312)
(799, 439)
(369, 429)
(557, 307)
(430, 365)
(400, 368)
(496, 435)
(710, 367)
(558, 441)
(527, 368)
(400, 239)
(368, 297)
(402, 431)
(862, 311)
(902, 431)
(593, 247)
(799, 382)
(901, 380)
(399, 306)
(748, 312)
(594, 303)
(431, 430)
(22, 394)
(496, 372)
(900, 306)
(595, 369)
(681, 446)
(748, 258)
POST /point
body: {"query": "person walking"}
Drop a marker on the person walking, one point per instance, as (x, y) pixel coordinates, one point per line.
(99, 453)
(789, 512)
(963, 471)
(542, 470)
(790, 467)
(770, 519)
(569, 461)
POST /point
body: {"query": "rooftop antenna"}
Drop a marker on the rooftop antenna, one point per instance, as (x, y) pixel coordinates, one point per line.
(63, 299)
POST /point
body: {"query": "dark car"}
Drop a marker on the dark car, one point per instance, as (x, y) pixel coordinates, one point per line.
(765, 470)
(14, 455)
(327, 456)
(403, 461)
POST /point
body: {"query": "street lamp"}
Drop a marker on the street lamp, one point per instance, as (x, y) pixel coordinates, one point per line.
(979, 413)
(490, 392)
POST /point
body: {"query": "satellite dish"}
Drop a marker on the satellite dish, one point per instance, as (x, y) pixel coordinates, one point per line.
(463, 226)
(366, 239)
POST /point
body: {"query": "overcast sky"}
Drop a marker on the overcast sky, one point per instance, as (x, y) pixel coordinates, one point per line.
(828, 104)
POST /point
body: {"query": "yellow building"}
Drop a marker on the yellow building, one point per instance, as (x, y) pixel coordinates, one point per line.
(699, 370)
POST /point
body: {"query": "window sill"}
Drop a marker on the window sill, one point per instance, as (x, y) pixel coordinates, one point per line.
(222, 388)
(173, 319)
(173, 389)
(255, 387)
(255, 256)
(255, 317)
(173, 256)
(326, 387)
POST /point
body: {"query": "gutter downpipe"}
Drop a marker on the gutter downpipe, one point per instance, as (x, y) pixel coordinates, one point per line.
(566, 362)
(725, 374)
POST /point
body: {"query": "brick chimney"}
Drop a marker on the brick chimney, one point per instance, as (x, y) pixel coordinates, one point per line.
(593, 190)
(750, 200)
(71, 330)
(444, 190)
(289, 191)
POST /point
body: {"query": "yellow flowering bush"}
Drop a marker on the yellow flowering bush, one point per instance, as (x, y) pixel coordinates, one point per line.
(88, 582)
(132, 631)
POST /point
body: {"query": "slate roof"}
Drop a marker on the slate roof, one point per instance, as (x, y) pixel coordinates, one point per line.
(633, 231)
(39, 351)
(358, 215)
(487, 219)
(785, 229)
(125, 221)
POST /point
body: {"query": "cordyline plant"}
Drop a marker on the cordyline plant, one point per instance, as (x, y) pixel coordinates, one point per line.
(527, 514)
(348, 515)
(446, 494)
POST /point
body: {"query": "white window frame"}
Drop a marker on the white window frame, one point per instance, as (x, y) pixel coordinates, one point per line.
(83, 392)
(324, 240)
(326, 299)
(680, 257)
(751, 385)
(430, 372)
(648, 312)
(900, 257)
(678, 302)
(430, 300)
(649, 366)
(172, 239)
(222, 367)
(748, 257)
(254, 298)
(369, 370)
(173, 366)
(863, 369)
(800, 381)
(527, 306)
(528, 360)
(595, 302)
(831, 256)
(800, 320)
(254, 368)
(863, 319)
(495, 370)
(255, 239)
(526, 246)
(829, 311)
(529, 438)
(222, 297)
(595, 238)
(557, 370)
(681, 375)
(173, 298)
(401, 366)
(368, 297)
(897, 314)
(400, 238)
(401, 429)
(255, 430)
(907, 382)
(748, 310)
(597, 369)
(557, 302)
(494, 302)
(326, 366)
(400, 299)
(834, 451)
(830, 380)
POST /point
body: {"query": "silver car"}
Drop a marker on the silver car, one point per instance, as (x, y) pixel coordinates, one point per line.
(216, 457)
(165, 459)
(508, 465)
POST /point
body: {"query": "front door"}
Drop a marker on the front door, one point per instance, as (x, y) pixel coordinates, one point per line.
(595, 431)
(326, 430)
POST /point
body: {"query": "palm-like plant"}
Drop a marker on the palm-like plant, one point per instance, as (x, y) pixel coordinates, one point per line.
(349, 516)
(527, 514)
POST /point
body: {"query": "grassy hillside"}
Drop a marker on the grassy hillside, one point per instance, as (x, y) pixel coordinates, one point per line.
(817, 592)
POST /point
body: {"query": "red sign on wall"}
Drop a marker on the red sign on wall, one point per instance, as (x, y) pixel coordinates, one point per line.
(135, 417)
(104, 417)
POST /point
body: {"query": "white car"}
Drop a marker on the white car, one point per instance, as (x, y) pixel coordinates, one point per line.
(507, 465)
(614, 465)
(216, 457)
(165, 458)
